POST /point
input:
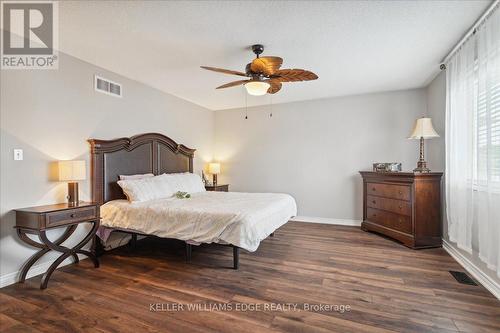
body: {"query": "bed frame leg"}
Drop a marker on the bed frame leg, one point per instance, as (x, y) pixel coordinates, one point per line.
(188, 252)
(133, 241)
(236, 257)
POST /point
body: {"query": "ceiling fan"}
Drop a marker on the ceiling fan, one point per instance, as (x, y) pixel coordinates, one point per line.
(264, 73)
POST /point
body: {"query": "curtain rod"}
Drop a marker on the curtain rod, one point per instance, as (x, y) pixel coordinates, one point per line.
(470, 32)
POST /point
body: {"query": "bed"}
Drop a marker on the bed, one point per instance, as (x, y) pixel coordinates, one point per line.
(238, 220)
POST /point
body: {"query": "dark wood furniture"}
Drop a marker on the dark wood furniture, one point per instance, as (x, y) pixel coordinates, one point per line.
(217, 188)
(405, 206)
(37, 220)
(144, 153)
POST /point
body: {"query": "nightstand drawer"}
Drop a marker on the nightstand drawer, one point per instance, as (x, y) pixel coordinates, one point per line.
(389, 220)
(391, 205)
(400, 192)
(70, 216)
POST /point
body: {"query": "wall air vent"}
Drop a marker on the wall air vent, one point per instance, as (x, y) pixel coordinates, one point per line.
(107, 87)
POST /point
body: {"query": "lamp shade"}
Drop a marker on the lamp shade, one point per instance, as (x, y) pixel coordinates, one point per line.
(257, 88)
(423, 129)
(72, 170)
(214, 168)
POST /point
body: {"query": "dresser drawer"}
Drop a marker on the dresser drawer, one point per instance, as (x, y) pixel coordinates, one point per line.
(70, 216)
(389, 220)
(401, 192)
(391, 205)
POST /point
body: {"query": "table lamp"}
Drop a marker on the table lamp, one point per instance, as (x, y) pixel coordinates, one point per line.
(423, 130)
(72, 171)
(214, 169)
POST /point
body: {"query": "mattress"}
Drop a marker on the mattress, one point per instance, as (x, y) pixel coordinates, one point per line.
(240, 219)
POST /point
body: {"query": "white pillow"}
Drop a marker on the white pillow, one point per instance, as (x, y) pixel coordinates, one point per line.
(138, 176)
(185, 182)
(145, 189)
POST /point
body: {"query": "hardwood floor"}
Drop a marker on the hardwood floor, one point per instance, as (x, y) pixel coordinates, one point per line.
(388, 287)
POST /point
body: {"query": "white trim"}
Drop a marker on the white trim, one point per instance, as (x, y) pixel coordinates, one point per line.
(325, 220)
(475, 271)
(11, 278)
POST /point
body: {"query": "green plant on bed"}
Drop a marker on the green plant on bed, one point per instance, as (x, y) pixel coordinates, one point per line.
(182, 195)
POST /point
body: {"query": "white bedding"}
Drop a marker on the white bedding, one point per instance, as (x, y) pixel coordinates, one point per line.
(241, 219)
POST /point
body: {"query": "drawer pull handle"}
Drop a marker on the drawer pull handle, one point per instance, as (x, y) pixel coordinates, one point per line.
(400, 207)
(374, 189)
(400, 192)
(374, 202)
(374, 215)
(72, 215)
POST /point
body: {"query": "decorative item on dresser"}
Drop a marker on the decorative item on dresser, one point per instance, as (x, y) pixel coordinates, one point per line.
(217, 188)
(405, 206)
(37, 220)
(204, 178)
(387, 167)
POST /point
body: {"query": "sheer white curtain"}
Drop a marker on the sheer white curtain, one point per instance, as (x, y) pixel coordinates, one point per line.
(473, 143)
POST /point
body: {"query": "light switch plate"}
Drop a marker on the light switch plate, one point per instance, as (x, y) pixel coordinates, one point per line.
(18, 154)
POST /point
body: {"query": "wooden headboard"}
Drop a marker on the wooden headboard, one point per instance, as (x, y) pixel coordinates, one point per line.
(144, 153)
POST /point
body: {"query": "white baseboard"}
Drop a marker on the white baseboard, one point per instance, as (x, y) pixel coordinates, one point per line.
(13, 277)
(324, 220)
(475, 271)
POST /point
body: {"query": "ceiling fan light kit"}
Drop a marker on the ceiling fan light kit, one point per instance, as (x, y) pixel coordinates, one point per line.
(264, 74)
(257, 88)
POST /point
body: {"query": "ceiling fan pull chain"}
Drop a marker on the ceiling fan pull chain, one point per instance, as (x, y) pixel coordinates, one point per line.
(246, 105)
(271, 113)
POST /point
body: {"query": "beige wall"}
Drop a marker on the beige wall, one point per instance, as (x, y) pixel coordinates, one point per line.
(51, 113)
(436, 107)
(314, 149)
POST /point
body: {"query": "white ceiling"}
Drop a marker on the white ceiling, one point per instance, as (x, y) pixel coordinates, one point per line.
(355, 47)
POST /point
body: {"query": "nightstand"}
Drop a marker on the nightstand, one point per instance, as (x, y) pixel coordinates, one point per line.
(37, 220)
(218, 188)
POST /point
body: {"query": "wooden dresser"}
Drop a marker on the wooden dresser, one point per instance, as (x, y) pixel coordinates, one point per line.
(405, 206)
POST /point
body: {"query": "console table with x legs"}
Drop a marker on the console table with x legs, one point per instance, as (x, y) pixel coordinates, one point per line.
(38, 220)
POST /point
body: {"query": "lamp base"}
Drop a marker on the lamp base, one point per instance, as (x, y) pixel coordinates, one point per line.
(73, 199)
(421, 164)
(422, 167)
(214, 179)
